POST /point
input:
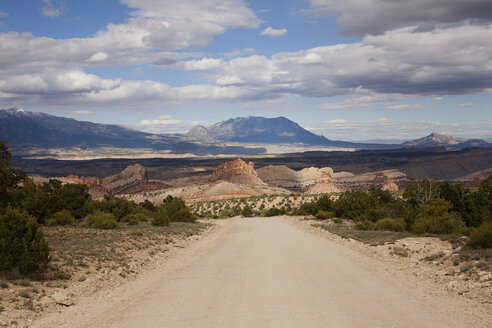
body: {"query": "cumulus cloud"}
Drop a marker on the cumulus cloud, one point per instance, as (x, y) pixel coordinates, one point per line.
(98, 57)
(391, 66)
(445, 61)
(361, 17)
(203, 64)
(274, 33)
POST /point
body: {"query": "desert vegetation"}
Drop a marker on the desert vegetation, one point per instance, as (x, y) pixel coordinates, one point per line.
(53, 235)
(424, 207)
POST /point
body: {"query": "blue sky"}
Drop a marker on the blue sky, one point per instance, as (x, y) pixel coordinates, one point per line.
(351, 70)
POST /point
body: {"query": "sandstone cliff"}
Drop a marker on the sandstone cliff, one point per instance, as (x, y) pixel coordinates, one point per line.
(282, 176)
(129, 178)
(237, 171)
(324, 185)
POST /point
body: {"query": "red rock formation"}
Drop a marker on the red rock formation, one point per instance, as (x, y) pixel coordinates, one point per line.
(386, 180)
(97, 188)
(324, 185)
(128, 178)
(237, 171)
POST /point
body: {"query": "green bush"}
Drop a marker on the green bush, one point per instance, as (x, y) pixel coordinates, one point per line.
(134, 218)
(160, 217)
(481, 237)
(63, 217)
(436, 218)
(22, 243)
(101, 220)
(325, 215)
(273, 212)
(390, 224)
(247, 211)
(183, 215)
(364, 225)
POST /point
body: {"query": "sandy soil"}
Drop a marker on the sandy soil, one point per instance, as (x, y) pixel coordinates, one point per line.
(267, 272)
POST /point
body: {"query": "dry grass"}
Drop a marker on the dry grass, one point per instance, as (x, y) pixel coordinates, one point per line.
(79, 253)
(371, 237)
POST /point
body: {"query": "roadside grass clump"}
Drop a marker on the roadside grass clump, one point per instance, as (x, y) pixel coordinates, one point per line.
(4, 284)
(22, 243)
(25, 293)
(400, 251)
(63, 217)
(481, 237)
(390, 224)
(101, 220)
(435, 256)
(324, 215)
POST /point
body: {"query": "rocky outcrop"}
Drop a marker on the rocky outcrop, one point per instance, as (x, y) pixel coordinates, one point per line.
(128, 178)
(324, 185)
(237, 171)
(386, 180)
(473, 180)
(282, 176)
(96, 186)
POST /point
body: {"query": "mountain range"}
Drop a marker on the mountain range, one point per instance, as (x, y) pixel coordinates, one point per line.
(28, 132)
(439, 140)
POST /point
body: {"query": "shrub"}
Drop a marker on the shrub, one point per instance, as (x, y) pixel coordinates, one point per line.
(62, 217)
(134, 218)
(481, 237)
(390, 224)
(183, 215)
(101, 220)
(273, 212)
(436, 218)
(160, 217)
(364, 225)
(22, 243)
(247, 211)
(325, 215)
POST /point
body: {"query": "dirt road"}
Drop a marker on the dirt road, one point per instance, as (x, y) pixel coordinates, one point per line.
(264, 272)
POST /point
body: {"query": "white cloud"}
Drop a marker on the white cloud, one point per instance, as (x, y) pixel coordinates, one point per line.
(50, 10)
(98, 57)
(405, 107)
(389, 67)
(4, 14)
(386, 129)
(336, 121)
(467, 105)
(203, 64)
(164, 124)
(80, 112)
(274, 33)
(361, 17)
